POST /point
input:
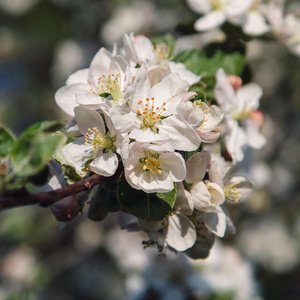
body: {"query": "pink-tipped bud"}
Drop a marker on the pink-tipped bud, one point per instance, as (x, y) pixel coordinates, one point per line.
(258, 117)
(235, 81)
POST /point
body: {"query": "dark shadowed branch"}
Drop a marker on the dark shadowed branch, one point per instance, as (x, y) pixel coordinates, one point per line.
(46, 199)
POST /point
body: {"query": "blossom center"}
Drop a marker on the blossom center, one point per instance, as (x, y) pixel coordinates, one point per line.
(232, 193)
(241, 115)
(149, 114)
(162, 51)
(111, 84)
(216, 4)
(151, 162)
(97, 140)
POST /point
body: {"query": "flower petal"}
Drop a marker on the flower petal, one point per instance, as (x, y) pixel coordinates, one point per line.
(104, 163)
(197, 166)
(65, 97)
(80, 76)
(216, 222)
(87, 119)
(78, 154)
(182, 136)
(210, 21)
(190, 113)
(181, 233)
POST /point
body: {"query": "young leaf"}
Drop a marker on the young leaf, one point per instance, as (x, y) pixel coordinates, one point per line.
(150, 207)
(6, 141)
(201, 64)
(35, 147)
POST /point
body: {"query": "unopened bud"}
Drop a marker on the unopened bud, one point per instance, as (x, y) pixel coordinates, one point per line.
(235, 81)
(66, 209)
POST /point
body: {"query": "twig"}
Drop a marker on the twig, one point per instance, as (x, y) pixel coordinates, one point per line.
(48, 198)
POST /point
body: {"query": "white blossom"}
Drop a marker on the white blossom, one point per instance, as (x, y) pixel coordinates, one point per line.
(97, 145)
(216, 12)
(106, 74)
(151, 168)
(238, 107)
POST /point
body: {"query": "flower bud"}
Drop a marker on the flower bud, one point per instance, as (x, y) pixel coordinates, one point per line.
(66, 209)
(235, 81)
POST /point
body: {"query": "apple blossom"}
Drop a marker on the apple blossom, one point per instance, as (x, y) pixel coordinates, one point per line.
(139, 50)
(151, 116)
(239, 128)
(97, 145)
(216, 12)
(106, 74)
(151, 168)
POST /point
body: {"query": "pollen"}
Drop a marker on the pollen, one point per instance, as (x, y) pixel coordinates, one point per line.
(151, 162)
(232, 192)
(111, 84)
(162, 52)
(150, 114)
(97, 140)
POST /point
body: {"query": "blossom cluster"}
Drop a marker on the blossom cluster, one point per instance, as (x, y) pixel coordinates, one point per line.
(135, 107)
(255, 17)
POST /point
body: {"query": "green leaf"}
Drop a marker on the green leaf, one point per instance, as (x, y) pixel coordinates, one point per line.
(7, 140)
(108, 195)
(150, 207)
(35, 147)
(201, 64)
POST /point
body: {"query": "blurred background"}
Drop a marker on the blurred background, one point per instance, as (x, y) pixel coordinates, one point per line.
(44, 41)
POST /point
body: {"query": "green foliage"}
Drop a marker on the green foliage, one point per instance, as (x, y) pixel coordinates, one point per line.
(201, 64)
(7, 140)
(150, 207)
(35, 147)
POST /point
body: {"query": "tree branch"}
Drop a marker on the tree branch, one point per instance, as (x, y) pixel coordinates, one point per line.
(48, 198)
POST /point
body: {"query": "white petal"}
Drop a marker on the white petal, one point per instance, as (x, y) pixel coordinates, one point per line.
(65, 97)
(190, 113)
(170, 90)
(214, 116)
(81, 76)
(200, 6)
(105, 163)
(124, 120)
(210, 21)
(216, 173)
(182, 136)
(173, 163)
(216, 222)
(141, 89)
(91, 101)
(197, 166)
(255, 138)
(255, 24)
(208, 137)
(148, 136)
(185, 74)
(249, 95)
(217, 193)
(88, 119)
(224, 92)
(144, 49)
(235, 142)
(200, 195)
(184, 203)
(100, 66)
(237, 7)
(78, 154)
(181, 233)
